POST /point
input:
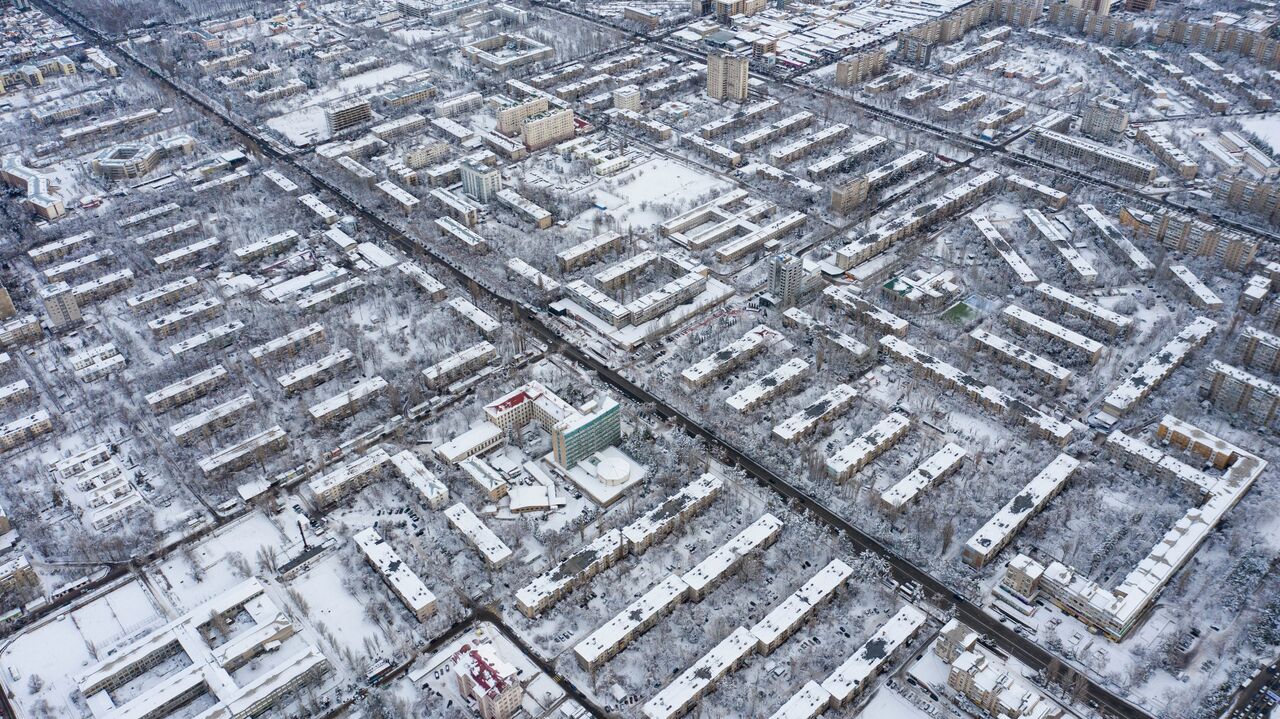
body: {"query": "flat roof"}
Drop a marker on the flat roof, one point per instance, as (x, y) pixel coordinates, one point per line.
(494, 550)
(849, 678)
(998, 530)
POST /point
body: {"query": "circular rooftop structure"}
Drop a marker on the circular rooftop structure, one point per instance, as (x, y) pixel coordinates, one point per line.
(613, 471)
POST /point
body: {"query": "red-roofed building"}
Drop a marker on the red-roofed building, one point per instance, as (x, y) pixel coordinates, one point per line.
(490, 681)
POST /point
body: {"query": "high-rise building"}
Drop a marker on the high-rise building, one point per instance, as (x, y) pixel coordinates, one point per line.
(480, 181)
(1019, 13)
(511, 117)
(6, 305)
(348, 113)
(576, 433)
(727, 77)
(627, 98)
(786, 276)
(861, 66)
(726, 9)
(1140, 5)
(60, 303)
(548, 128)
(579, 436)
(1104, 120)
(1102, 7)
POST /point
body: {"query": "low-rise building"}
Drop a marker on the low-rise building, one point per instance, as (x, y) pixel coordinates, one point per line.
(1006, 523)
(403, 581)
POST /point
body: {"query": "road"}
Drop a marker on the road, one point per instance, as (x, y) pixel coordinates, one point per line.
(1252, 701)
(904, 570)
(962, 139)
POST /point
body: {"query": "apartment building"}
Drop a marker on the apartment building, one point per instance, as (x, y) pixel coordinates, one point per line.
(206, 668)
(987, 396)
(1255, 348)
(987, 681)
(570, 573)
(209, 421)
(1258, 197)
(727, 77)
(588, 251)
(861, 66)
(1117, 29)
(60, 305)
(245, 452)
(1120, 163)
(494, 551)
(851, 458)
(1019, 13)
(786, 278)
(491, 682)
(348, 402)
(346, 114)
(1104, 120)
(576, 433)
(548, 128)
(24, 429)
(1249, 35)
(459, 365)
(1234, 390)
(402, 580)
(1136, 387)
(480, 181)
(186, 390)
(825, 408)
(928, 474)
(288, 345)
(512, 114)
(1006, 523)
(20, 331)
(1185, 233)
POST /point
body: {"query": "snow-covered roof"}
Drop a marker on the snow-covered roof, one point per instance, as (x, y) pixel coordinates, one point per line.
(724, 359)
(938, 465)
(1042, 365)
(796, 608)
(245, 447)
(869, 444)
(200, 379)
(348, 473)
(583, 563)
(403, 581)
(675, 698)
(835, 401)
(719, 563)
(1159, 366)
(303, 335)
(365, 388)
(197, 422)
(996, 533)
(769, 386)
(1205, 297)
(807, 703)
(849, 678)
(448, 368)
(1026, 318)
(483, 320)
(320, 367)
(676, 509)
(617, 632)
(494, 550)
(1113, 321)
